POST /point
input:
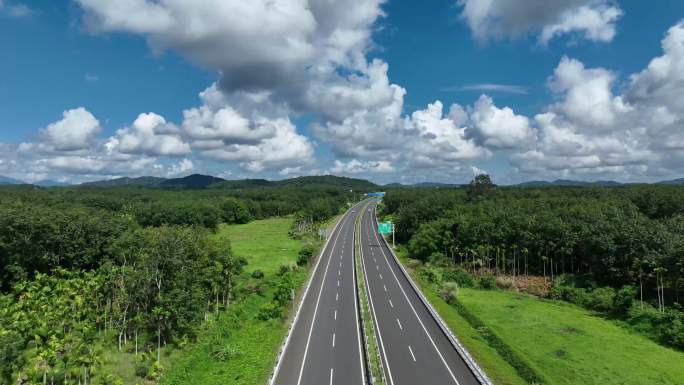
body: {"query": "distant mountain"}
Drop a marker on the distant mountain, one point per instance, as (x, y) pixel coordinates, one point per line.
(143, 181)
(49, 183)
(569, 183)
(674, 181)
(194, 181)
(8, 180)
(423, 185)
(299, 182)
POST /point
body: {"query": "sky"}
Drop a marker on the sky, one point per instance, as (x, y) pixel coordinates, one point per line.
(384, 90)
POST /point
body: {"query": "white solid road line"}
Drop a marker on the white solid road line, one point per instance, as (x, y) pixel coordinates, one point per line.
(400, 328)
(318, 300)
(416, 313)
(411, 351)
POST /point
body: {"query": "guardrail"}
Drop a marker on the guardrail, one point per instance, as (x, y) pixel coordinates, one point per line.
(467, 358)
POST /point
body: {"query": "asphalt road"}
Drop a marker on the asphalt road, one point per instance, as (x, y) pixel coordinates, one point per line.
(414, 349)
(325, 345)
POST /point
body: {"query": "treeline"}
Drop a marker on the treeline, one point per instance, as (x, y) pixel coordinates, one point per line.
(628, 241)
(86, 268)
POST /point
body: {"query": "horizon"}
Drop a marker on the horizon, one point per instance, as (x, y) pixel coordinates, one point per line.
(393, 93)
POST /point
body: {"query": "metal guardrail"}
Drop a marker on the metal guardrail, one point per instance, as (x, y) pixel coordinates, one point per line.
(467, 358)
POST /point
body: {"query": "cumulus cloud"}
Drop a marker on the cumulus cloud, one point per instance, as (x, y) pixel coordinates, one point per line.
(74, 132)
(591, 130)
(356, 166)
(499, 127)
(496, 19)
(149, 134)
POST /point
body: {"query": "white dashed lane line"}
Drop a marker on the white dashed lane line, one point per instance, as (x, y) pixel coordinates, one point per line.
(411, 351)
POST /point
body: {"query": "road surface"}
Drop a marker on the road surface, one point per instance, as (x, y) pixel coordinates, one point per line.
(413, 348)
(325, 345)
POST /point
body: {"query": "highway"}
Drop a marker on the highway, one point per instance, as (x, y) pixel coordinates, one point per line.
(325, 347)
(413, 348)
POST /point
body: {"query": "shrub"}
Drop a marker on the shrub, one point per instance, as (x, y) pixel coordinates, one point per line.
(224, 353)
(601, 299)
(284, 269)
(257, 274)
(671, 329)
(449, 292)
(623, 299)
(505, 282)
(269, 311)
(414, 264)
(431, 273)
(460, 276)
(487, 282)
(305, 255)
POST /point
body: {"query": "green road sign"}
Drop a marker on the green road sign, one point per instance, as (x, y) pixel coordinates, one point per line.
(385, 227)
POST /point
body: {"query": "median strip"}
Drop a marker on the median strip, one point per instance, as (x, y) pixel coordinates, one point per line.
(376, 373)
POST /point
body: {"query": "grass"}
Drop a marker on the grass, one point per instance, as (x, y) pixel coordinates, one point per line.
(253, 343)
(496, 368)
(568, 345)
(264, 243)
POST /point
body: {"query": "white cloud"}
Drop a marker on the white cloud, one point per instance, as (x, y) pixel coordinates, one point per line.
(14, 9)
(593, 19)
(149, 134)
(184, 166)
(75, 131)
(490, 87)
(499, 127)
(356, 166)
(587, 94)
(596, 22)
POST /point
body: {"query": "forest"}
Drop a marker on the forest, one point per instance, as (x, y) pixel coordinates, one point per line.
(618, 251)
(85, 269)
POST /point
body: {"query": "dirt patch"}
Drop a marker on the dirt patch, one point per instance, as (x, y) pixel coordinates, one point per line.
(569, 330)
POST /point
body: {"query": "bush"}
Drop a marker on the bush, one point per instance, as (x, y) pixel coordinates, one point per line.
(257, 274)
(460, 276)
(570, 294)
(414, 264)
(487, 282)
(284, 269)
(224, 353)
(431, 274)
(624, 298)
(305, 255)
(449, 292)
(671, 329)
(601, 299)
(269, 311)
(505, 282)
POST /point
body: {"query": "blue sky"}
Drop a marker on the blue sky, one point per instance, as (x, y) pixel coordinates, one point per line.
(326, 110)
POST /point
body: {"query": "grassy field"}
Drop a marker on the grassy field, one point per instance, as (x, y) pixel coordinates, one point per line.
(570, 346)
(253, 343)
(264, 243)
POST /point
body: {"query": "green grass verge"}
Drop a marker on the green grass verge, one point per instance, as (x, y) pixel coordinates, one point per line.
(264, 243)
(568, 345)
(253, 343)
(487, 357)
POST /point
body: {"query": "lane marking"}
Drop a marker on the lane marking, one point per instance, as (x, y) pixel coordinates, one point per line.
(333, 340)
(411, 351)
(414, 310)
(338, 283)
(377, 268)
(339, 272)
(385, 287)
(337, 296)
(318, 300)
(335, 314)
(391, 304)
(400, 328)
(380, 275)
(331, 375)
